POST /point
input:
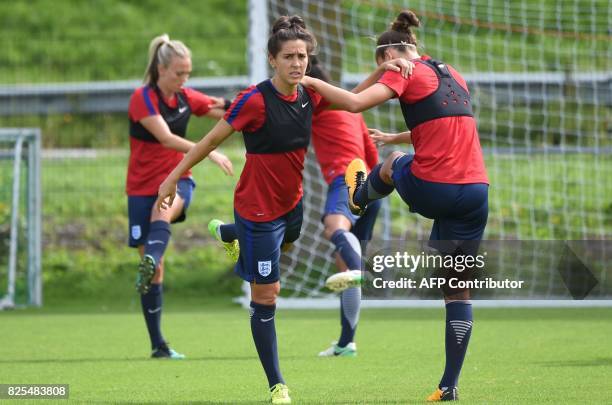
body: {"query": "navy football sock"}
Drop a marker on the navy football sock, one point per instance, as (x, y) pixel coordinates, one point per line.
(374, 188)
(350, 303)
(264, 336)
(152, 308)
(458, 331)
(228, 232)
(157, 240)
(348, 247)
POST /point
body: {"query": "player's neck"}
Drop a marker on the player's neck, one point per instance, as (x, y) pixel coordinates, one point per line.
(284, 88)
(413, 55)
(165, 91)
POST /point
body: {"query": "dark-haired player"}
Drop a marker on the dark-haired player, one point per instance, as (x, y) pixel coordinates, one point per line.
(444, 180)
(275, 118)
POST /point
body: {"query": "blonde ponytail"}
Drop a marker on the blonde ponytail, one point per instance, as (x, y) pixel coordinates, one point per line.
(161, 52)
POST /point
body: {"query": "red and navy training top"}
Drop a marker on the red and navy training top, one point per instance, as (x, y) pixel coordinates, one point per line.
(447, 150)
(150, 162)
(270, 184)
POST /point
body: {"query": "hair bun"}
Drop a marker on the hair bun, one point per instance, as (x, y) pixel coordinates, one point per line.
(288, 22)
(404, 21)
(297, 21)
(282, 23)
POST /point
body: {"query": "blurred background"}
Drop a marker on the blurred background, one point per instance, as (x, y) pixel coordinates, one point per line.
(539, 74)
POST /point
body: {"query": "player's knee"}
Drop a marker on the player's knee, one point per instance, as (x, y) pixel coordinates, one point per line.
(329, 231)
(386, 171)
(333, 222)
(163, 215)
(265, 294)
(158, 277)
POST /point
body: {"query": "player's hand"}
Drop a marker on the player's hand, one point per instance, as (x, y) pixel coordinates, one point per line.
(223, 162)
(166, 194)
(216, 102)
(382, 138)
(401, 65)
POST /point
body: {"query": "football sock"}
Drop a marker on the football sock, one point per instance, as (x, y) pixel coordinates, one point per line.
(458, 331)
(264, 336)
(348, 247)
(152, 308)
(157, 240)
(374, 188)
(350, 303)
(228, 232)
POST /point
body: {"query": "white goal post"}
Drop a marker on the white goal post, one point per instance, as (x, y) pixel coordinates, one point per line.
(20, 198)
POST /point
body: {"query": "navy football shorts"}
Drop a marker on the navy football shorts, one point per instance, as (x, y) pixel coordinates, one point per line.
(140, 208)
(459, 211)
(261, 242)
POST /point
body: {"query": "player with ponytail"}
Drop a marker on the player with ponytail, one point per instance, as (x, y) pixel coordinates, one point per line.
(158, 115)
(445, 179)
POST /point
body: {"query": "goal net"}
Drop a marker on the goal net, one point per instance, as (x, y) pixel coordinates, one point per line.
(540, 82)
(20, 218)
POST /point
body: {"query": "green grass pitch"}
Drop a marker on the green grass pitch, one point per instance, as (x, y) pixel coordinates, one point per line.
(516, 356)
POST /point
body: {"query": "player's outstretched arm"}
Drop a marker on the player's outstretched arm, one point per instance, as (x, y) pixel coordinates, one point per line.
(401, 65)
(216, 136)
(382, 138)
(345, 100)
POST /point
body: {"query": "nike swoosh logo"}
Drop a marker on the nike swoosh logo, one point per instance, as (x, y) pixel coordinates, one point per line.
(152, 311)
(182, 110)
(304, 105)
(266, 320)
(155, 242)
